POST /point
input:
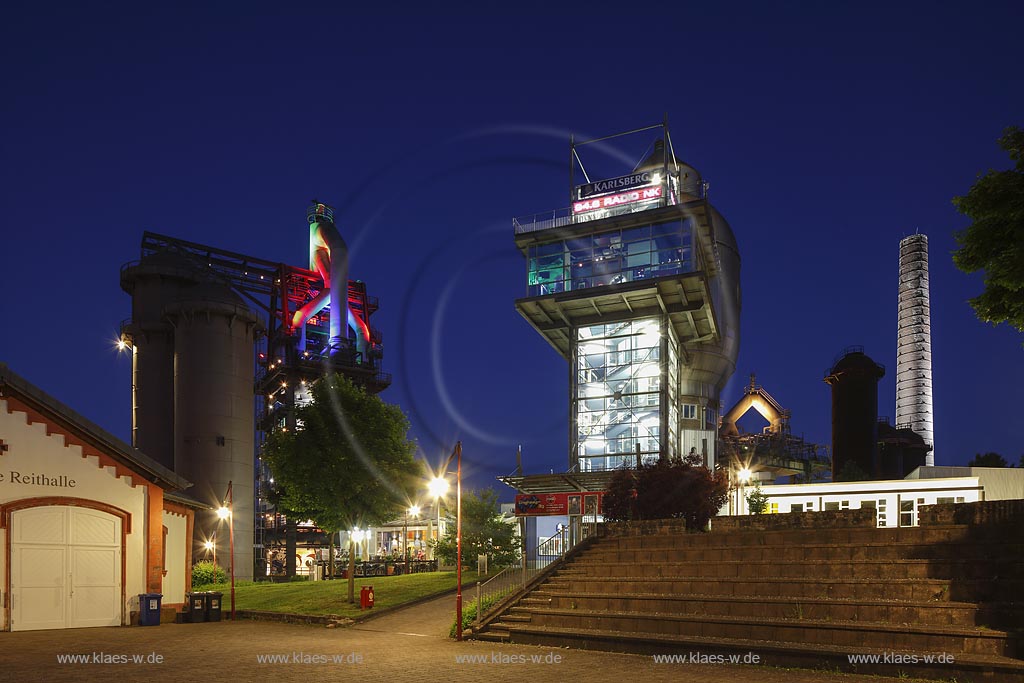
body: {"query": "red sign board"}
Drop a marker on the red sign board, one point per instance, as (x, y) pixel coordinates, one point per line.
(610, 201)
(546, 504)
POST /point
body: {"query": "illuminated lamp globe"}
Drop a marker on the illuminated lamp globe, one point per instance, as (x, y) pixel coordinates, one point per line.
(438, 486)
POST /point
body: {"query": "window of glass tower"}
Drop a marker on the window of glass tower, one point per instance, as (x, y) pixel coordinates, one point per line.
(617, 395)
(608, 258)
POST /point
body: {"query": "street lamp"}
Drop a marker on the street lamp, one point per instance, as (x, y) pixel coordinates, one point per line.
(411, 510)
(212, 546)
(743, 475)
(225, 512)
(438, 486)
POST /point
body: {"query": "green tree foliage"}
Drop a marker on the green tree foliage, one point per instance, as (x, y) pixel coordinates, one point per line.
(666, 489)
(483, 533)
(994, 242)
(350, 462)
(757, 500)
(988, 460)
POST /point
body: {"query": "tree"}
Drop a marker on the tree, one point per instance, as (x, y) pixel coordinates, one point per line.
(757, 500)
(681, 489)
(851, 471)
(349, 464)
(988, 460)
(484, 532)
(994, 242)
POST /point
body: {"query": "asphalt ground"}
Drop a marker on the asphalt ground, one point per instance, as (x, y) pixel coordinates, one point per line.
(408, 645)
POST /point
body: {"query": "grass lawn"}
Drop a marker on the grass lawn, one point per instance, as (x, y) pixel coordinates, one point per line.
(331, 597)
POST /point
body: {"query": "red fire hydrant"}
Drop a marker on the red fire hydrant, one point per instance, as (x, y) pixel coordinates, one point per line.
(366, 597)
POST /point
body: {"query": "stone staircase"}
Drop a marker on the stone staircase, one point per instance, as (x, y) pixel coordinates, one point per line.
(796, 590)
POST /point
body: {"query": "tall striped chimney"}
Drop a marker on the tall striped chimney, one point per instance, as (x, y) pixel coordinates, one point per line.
(914, 354)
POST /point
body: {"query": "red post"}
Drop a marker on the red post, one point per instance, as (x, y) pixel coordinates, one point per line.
(458, 543)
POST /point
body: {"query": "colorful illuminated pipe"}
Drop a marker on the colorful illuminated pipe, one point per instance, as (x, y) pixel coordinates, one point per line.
(328, 256)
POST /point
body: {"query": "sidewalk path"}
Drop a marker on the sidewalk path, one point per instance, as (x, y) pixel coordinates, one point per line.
(405, 645)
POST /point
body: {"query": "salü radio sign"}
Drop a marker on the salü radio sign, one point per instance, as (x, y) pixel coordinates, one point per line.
(612, 200)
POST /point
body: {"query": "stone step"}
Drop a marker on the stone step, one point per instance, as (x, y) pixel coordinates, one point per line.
(804, 552)
(951, 569)
(794, 537)
(844, 588)
(516, 615)
(916, 638)
(495, 633)
(885, 611)
(992, 669)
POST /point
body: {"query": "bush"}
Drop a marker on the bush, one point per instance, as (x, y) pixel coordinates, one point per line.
(757, 500)
(205, 573)
(682, 489)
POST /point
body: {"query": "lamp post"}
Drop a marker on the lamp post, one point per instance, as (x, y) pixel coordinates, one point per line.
(211, 545)
(411, 510)
(437, 487)
(225, 512)
(743, 476)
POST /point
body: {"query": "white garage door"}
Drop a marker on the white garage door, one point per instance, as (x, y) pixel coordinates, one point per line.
(65, 568)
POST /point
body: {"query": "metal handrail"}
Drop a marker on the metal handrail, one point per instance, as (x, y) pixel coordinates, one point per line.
(516, 579)
(521, 581)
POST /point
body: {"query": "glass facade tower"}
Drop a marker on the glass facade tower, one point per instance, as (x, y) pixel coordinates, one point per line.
(637, 286)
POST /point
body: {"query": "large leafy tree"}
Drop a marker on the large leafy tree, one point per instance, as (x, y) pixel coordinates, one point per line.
(994, 242)
(484, 532)
(348, 463)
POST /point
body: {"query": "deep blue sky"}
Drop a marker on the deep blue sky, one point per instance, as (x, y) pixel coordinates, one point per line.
(827, 134)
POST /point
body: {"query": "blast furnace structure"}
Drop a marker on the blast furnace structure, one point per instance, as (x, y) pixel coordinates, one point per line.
(224, 347)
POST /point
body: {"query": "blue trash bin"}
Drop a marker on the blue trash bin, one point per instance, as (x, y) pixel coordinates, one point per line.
(149, 609)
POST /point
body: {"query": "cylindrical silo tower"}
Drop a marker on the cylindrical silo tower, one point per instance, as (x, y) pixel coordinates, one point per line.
(214, 332)
(914, 354)
(152, 282)
(854, 381)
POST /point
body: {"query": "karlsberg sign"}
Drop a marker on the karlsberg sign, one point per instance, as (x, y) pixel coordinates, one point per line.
(624, 182)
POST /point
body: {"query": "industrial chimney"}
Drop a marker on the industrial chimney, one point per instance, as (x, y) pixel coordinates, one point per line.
(914, 353)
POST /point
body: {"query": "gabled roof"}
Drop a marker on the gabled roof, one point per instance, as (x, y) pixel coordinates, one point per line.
(15, 386)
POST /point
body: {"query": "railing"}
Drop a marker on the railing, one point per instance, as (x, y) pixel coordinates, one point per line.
(690, 190)
(555, 218)
(513, 580)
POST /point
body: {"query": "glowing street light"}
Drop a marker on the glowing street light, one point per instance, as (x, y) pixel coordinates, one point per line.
(225, 512)
(744, 475)
(438, 489)
(411, 510)
(211, 545)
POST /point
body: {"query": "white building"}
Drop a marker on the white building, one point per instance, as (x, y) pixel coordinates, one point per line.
(896, 501)
(87, 523)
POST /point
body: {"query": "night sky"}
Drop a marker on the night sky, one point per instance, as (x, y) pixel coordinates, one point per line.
(827, 135)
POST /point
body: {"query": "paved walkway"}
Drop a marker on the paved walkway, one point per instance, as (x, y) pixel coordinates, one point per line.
(407, 645)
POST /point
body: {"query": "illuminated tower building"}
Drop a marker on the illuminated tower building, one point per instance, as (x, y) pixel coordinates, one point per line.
(914, 354)
(637, 286)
